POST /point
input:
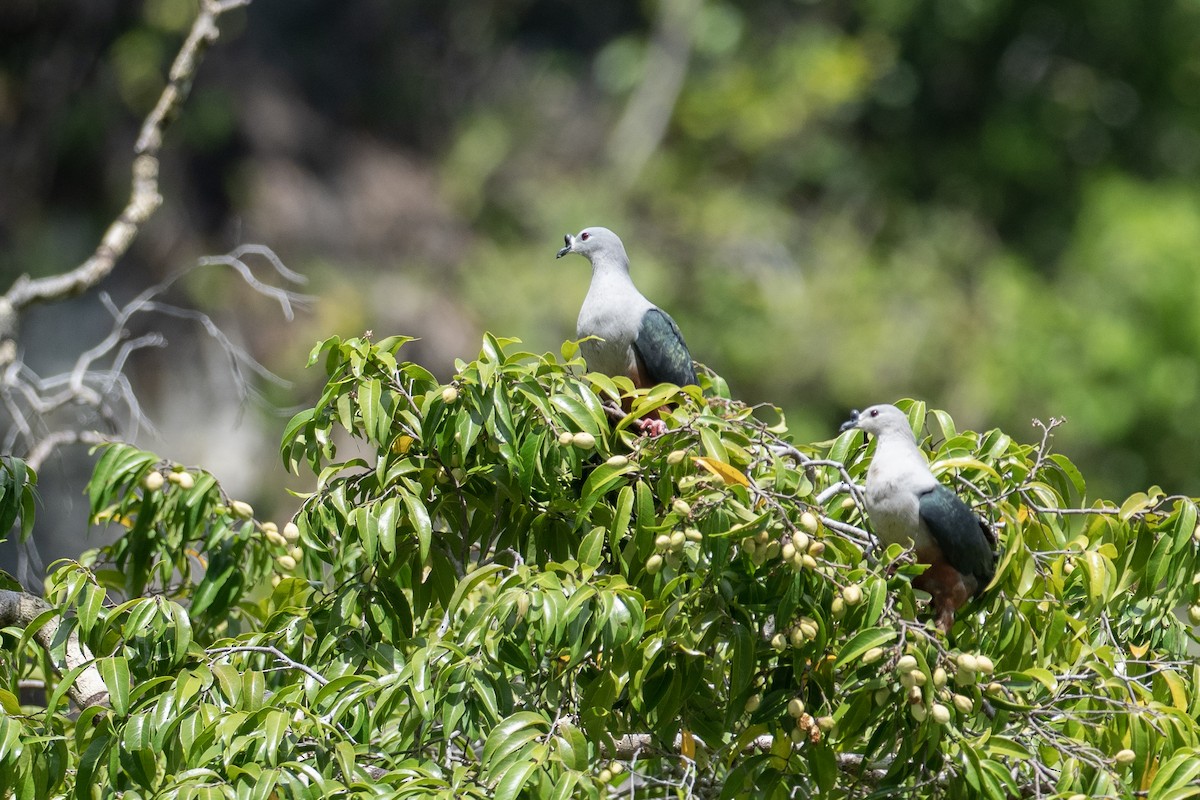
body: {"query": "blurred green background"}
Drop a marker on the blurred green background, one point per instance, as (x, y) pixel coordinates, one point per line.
(992, 206)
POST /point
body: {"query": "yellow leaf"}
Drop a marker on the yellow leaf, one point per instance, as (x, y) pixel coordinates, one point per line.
(402, 444)
(111, 516)
(1138, 650)
(687, 745)
(1179, 695)
(722, 470)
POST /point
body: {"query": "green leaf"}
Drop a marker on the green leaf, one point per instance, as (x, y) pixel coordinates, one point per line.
(1098, 571)
(294, 443)
(564, 786)
(374, 419)
(114, 671)
(512, 734)
(253, 689)
(591, 549)
(741, 667)
(275, 727)
(1004, 746)
(468, 584)
(17, 496)
(418, 517)
(386, 516)
(602, 479)
(579, 414)
(182, 629)
(1071, 472)
(513, 779)
(97, 749)
(622, 514)
(572, 748)
(963, 462)
(861, 642)
(1179, 777)
(713, 447)
(1135, 504)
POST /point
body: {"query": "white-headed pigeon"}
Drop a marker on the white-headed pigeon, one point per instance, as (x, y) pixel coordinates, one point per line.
(908, 505)
(633, 337)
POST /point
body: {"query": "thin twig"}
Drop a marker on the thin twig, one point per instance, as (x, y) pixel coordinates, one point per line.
(275, 653)
(48, 444)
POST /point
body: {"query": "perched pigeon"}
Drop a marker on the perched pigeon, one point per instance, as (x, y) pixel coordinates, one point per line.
(907, 504)
(634, 337)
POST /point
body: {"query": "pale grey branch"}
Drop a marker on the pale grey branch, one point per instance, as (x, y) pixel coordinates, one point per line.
(20, 609)
(144, 197)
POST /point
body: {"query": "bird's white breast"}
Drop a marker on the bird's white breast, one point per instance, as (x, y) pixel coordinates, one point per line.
(612, 312)
(897, 477)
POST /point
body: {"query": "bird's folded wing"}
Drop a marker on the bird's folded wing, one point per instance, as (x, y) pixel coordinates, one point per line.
(662, 352)
(958, 532)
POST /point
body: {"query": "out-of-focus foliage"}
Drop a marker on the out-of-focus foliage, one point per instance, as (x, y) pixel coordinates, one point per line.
(841, 201)
(496, 589)
(855, 201)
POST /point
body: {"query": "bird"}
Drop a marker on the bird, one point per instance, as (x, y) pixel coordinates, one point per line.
(908, 505)
(630, 335)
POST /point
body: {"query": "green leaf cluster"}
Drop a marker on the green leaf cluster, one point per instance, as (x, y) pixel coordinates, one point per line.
(18, 496)
(497, 588)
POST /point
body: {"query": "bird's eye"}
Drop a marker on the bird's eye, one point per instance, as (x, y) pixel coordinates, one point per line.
(874, 412)
(585, 236)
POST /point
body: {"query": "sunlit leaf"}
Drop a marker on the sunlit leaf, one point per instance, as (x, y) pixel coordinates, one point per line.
(722, 470)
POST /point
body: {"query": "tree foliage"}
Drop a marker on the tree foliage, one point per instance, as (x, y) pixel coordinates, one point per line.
(495, 588)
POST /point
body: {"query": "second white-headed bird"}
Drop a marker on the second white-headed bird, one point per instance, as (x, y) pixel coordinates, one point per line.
(908, 505)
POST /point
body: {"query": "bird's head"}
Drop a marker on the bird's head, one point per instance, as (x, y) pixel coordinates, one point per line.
(878, 419)
(591, 242)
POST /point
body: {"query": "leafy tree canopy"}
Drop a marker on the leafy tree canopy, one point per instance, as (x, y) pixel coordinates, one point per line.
(496, 589)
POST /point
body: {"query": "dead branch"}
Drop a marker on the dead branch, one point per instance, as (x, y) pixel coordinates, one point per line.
(72, 407)
(44, 448)
(144, 197)
(94, 401)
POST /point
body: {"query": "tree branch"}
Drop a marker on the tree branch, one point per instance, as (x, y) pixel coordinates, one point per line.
(46, 446)
(276, 654)
(20, 609)
(144, 198)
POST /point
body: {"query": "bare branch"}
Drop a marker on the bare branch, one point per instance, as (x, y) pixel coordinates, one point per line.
(144, 198)
(275, 653)
(47, 445)
(285, 298)
(97, 387)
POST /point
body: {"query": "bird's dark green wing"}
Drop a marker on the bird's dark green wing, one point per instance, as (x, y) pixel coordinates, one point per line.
(959, 532)
(662, 351)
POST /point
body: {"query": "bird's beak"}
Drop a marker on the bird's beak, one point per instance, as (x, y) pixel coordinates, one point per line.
(850, 423)
(569, 242)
